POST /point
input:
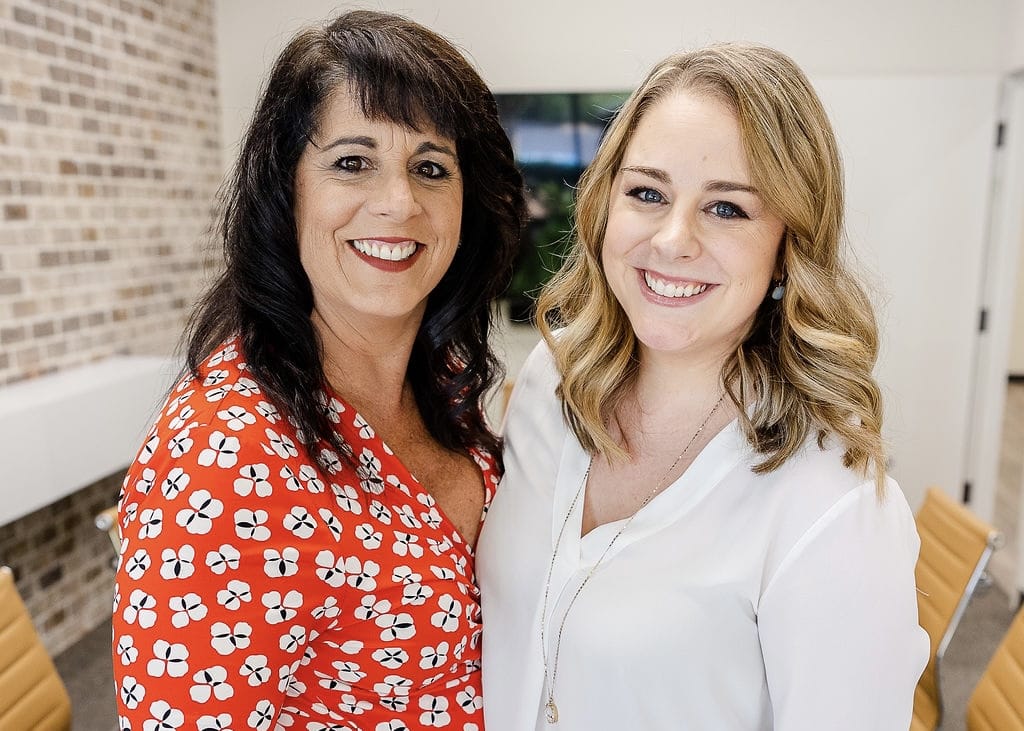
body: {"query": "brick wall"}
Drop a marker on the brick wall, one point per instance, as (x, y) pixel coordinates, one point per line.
(109, 163)
(62, 564)
(109, 160)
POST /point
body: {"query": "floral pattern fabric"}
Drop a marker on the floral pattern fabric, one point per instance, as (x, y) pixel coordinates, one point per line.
(259, 591)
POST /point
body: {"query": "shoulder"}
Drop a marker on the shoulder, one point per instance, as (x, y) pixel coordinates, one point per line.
(223, 394)
(215, 421)
(534, 428)
(534, 399)
(820, 504)
(814, 479)
(539, 372)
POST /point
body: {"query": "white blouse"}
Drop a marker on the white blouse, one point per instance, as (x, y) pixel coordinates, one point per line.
(733, 601)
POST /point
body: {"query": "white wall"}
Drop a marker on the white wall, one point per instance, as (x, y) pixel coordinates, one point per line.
(546, 45)
(912, 87)
(916, 150)
(1013, 43)
(1015, 62)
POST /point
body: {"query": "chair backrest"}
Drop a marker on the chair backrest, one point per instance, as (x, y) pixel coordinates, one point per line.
(955, 548)
(997, 703)
(106, 520)
(32, 695)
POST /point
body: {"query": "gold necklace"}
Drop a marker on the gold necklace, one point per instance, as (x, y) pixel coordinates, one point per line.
(550, 708)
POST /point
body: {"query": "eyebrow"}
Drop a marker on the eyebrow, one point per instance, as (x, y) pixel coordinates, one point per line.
(362, 141)
(371, 143)
(714, 186)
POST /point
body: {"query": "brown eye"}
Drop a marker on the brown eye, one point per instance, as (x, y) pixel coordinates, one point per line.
(432, 170)
(351, 163)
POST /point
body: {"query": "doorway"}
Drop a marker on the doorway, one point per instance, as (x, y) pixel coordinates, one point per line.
(995, 451)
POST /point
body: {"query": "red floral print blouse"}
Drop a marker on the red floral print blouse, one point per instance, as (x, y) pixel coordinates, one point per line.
(259, 591)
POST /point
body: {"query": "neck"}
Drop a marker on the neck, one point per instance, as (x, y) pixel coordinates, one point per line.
(670, 384)
(368, 364)
(672, 398)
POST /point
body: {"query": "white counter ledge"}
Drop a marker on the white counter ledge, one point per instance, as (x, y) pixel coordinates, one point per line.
(66, 430)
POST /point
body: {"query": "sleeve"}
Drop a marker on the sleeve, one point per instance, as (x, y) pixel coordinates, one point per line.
(838, 623)
(214, 602)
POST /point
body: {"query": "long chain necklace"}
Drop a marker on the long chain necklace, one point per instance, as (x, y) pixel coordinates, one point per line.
(551, 672)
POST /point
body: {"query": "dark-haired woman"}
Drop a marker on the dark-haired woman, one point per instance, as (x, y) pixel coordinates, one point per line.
(298, 527)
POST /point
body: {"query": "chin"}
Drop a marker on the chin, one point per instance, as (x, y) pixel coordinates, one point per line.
(664, 339)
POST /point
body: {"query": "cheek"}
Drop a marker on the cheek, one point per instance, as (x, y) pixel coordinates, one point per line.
(453, 217)
(617, 242)
(762, 262)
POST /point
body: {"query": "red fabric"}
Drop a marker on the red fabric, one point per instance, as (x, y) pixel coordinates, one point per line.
(258, 591)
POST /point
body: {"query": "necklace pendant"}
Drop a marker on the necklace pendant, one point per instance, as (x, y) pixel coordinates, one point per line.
(551, 711)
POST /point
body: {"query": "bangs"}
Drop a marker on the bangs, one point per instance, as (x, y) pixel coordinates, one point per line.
(394, 84)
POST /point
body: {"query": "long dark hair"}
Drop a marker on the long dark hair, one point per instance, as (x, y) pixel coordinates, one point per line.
(406, 74)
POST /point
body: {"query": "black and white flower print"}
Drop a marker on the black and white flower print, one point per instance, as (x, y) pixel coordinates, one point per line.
(223, 559)
(177, 564)
(132, 692)
(226, 639)
(253, 480)
(187, 608)
(137, 564)
(126, 649)
(202, 511)
(140, 609)
(168, 658)
(234, 595)
(281, 608)
(255, 670)
(251, 525)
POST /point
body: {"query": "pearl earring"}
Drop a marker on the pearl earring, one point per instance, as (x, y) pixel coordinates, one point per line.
(778, 291)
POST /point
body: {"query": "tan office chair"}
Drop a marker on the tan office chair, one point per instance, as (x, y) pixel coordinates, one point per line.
(32, 695)
(955, 548)
(997, 703)
(506, 393)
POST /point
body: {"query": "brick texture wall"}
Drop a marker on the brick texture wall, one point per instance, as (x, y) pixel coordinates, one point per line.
(63, 564)
(109, 161)
(109, 165)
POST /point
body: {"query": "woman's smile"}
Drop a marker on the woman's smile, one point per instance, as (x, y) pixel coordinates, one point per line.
(672, 291)
(387, 253)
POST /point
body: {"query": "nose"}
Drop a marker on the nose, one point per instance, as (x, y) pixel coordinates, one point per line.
(394, 197)
(677, 235)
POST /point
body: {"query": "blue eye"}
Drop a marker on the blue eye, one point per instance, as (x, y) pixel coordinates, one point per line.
(646, 195)
(431, 170)
(724, 209)
(351, 163)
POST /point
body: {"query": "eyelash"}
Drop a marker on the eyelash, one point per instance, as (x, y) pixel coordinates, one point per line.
(428, 168)
(640, 193)
(644, 195)
(439, 172)
(737, 212)
(343, 163)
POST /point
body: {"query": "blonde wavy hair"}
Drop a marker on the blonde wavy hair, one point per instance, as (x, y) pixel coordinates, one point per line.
(806, 363)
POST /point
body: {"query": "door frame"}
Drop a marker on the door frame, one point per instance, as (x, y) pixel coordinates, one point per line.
(1003, 244)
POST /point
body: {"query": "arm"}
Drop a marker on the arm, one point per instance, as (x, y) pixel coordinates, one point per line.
(210, 616)
(838, 623)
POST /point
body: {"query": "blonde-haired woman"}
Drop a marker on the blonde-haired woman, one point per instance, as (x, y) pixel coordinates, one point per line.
(695, 529)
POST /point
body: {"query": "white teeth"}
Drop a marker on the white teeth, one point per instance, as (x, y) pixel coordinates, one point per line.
(667, 289)
(387, 252)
